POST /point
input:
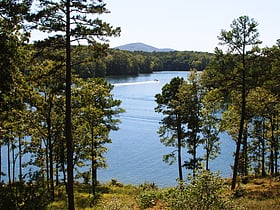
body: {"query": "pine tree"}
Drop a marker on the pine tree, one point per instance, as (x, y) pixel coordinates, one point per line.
(71, 22)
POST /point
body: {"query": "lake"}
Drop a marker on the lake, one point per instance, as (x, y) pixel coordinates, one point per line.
(135, 156)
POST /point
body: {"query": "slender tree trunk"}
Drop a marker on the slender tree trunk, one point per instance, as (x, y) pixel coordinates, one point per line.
(20, 158)
(56, 173)
(9, 163)
(276, 160)
(207, 157)
(93, 163)
(41, 162)
(263, 149)
(180, 160)
(195, 162)
(208, 147)
(47, 163)
(179, 130)
(272, 154)
(271, 162)
(51, 169)
(68, 125)
(276, 149)
(50, 149)
(62, 161)
(241, 123)
(14, 162)
(237, 151)
(245, 143)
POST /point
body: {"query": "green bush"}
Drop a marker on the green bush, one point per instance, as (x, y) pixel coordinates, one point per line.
(204, 192)
(24, 197)
(147, 199)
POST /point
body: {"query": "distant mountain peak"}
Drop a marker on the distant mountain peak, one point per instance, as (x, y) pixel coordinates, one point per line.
(138, 46)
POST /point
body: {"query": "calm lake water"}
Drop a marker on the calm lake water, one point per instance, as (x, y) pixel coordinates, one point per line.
(135, 156)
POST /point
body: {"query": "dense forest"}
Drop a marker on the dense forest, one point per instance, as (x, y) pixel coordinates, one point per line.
(56, 110)
(120, 62)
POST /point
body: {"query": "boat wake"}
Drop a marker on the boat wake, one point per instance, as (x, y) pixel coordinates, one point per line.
(136, 83)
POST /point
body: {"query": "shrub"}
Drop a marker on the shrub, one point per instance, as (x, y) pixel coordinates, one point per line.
(148, 186)
(24, 196)
(204, 192)
(147, 199)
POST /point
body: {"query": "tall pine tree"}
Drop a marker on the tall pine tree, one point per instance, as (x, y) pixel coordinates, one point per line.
(71, 22)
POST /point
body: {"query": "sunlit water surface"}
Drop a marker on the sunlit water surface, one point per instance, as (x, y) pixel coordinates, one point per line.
(135, 156)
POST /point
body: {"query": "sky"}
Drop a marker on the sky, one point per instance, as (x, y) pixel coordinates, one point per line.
(188, 24)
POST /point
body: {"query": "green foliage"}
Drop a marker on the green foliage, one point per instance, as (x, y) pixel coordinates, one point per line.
(118, 62)
(147, 199)
(210, 125)
(189, 98)
(234, 74)
(189, 120)
(149, 195)
(171, 131)
(204, 192)
(148, 186)
(24, 197)
(115, 182)
(94, 109)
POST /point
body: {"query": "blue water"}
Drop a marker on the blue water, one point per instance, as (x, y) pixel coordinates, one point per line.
(135, 156)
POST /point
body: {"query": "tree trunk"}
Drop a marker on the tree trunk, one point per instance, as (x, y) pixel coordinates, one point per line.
(57, 170)
(20, 158)
(93, 164)
(14, 162)
(9, 163)
(276, 147)
(62, 161)
(276, 160)
(245, 150)
(179, 130)
(47, 162)
(241, 124)
(68, 124)
(263, 150)
(272, 154)
(195, 162)
(271, 162)
(50, 149)
(51, 170)
(207, 158)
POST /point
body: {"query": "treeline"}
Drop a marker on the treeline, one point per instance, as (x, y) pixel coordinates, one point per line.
(118, 62)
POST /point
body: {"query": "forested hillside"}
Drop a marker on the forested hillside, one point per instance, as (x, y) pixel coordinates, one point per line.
(120, 62)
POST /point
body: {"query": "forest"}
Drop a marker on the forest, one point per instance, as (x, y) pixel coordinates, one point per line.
(56, 110)
(119, 62)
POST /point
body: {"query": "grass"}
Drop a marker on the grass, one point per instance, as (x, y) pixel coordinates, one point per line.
(108, 196)
(257, 194)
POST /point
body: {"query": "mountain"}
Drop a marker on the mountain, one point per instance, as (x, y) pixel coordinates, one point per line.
(138, 46)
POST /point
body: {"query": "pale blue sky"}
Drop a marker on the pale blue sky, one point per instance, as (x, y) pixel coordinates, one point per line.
(188, 24)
